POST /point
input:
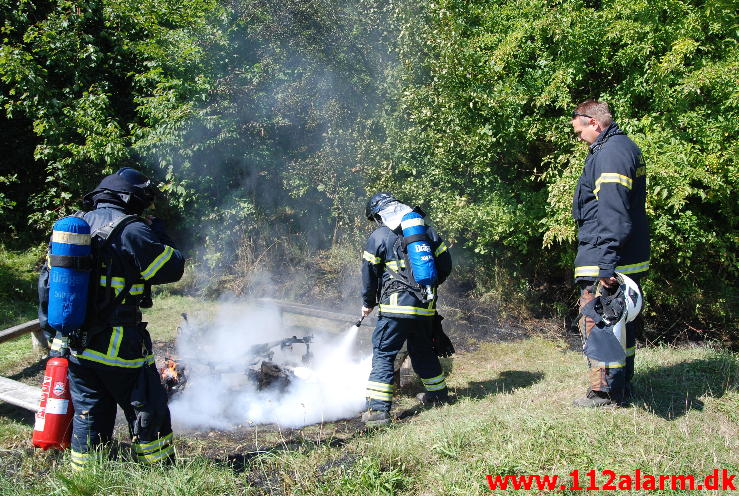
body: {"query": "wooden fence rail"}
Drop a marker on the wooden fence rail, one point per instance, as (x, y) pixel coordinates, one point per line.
(37, 336)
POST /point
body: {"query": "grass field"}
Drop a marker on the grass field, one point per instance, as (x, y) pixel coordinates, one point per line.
(512, 415)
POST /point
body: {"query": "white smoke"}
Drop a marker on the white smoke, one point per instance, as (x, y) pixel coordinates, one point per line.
(220, 395)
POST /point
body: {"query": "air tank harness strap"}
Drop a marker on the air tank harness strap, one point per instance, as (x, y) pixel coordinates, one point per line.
(413, 238)
(125, 315)
(83, 263)
(413, 289)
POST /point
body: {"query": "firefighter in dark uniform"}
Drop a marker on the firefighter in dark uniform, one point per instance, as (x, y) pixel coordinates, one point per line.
(403, 315)
(613, 235)
(114, 365)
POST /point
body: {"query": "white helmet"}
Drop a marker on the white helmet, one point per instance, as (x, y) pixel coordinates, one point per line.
(632, 295)
(632, 306)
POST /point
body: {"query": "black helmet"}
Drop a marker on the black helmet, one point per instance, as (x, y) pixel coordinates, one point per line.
(377, 202)
(127, 188)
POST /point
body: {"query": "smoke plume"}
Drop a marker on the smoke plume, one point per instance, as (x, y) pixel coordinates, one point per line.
(220, 395)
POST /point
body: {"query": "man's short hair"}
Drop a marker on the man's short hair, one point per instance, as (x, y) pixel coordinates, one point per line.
(597, 110)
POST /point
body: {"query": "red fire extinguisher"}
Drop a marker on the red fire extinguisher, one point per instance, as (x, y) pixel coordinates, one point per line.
(53, 427)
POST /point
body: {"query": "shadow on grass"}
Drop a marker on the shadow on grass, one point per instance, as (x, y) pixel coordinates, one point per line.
(16, 413)
(240, 462)
(670, 392)
(507, 381)
(34, 370)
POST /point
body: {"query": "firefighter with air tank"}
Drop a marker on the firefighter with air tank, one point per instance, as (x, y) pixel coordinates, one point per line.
(404, 262)
(110, 354)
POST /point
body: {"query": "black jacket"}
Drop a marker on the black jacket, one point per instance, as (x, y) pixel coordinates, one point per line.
(609, 208)
(383, 251)
(143, 253)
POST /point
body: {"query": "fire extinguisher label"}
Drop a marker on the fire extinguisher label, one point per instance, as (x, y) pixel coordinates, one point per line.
(59, 388)
(39, 424)
(57, 406)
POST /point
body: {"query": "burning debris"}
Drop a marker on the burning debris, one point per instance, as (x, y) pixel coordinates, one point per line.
(259, 369)
(227, 373)
(173, 376)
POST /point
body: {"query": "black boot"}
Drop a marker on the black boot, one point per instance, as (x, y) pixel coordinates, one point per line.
(595, 399)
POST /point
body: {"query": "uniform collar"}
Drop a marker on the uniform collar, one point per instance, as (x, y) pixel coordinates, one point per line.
(605, 135)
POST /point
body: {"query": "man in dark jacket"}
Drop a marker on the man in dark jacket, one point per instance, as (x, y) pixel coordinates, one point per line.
(111, 363)
(613, 235)
(404, 313)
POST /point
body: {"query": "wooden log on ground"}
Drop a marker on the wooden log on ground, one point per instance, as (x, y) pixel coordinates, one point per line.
(20, 329)
(301, 309)
(19, 394)
(40, 345)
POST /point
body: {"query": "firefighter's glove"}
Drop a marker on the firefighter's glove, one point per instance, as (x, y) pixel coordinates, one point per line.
(145, 423)
(59, 346)
(440, 342)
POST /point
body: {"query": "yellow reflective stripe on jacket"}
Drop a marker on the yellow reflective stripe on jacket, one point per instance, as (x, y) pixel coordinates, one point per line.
(371, 258)
(630, 351)
(118, 283)
(403, 310)
(70, 238)
(612, 177)
(395, 265)
(115, 341)
(441, 249)
(158, 263)
(96, 356)
(594, 270)
(587, 271)
(633, 268)
(394, 307)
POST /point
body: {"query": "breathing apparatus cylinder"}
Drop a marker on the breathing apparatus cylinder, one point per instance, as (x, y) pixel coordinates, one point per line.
(70, 262)
(53, 425)
(420, 254)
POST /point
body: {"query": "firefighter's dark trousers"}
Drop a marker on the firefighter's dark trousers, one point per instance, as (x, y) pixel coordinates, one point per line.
(95, 393)
(611, 378)
(387, 340)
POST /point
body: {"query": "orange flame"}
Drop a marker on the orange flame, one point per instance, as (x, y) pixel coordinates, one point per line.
(170, 372)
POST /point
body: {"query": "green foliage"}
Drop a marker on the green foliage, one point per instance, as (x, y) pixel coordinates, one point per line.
(262, 120)
(18, 291)
(480, 132)
(79, 73)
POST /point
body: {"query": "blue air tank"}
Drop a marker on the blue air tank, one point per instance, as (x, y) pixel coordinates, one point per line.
(69, 276)
(420, 254)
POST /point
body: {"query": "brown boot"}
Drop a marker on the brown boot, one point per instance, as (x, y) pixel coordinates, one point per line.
(375, 418)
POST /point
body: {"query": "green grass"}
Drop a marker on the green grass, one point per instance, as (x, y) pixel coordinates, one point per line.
(18, 276)
(512, 416)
